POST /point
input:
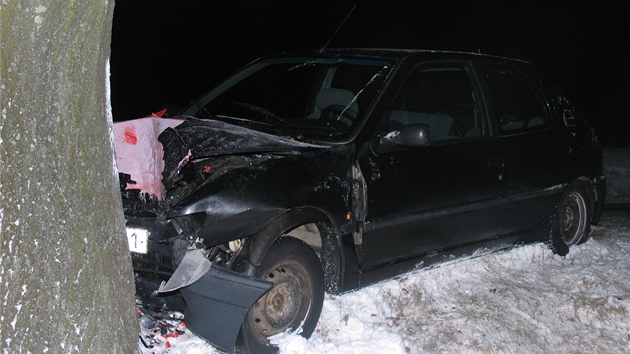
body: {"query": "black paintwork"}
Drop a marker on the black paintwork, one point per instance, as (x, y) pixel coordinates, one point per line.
(383, 204)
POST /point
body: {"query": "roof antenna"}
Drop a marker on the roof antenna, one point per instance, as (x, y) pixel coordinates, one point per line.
(322, 49)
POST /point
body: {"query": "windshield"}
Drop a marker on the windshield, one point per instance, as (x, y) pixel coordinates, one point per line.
(303, 98)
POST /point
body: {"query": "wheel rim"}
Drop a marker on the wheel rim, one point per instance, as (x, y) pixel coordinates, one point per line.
(573, 218)
(285, 304)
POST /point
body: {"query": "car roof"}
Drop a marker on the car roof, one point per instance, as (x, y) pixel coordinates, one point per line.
(399, 54)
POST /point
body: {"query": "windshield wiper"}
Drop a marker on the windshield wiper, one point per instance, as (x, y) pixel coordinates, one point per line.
(300, 132)
(313, 131)
(202, 111)
(241, 120)
(269, 116)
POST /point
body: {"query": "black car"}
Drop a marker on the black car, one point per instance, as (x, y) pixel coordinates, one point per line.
(327, 171)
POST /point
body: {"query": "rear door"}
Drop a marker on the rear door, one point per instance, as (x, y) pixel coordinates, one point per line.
(531, 148)
(423, 200)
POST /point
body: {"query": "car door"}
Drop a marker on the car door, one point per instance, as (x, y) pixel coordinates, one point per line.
(434, 198)
(531, 148)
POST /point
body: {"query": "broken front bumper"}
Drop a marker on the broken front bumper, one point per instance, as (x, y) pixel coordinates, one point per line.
(214, 305)
(217, 299)
(217, 303)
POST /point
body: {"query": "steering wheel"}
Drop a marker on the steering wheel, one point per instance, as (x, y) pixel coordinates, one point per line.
(338, 114)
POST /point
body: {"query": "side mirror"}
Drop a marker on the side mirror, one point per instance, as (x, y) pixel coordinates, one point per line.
(410, 136)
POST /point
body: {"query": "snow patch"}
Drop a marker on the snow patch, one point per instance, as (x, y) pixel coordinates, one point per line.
(38, 19)
(18, 307)
(392, 135)
(108, 110)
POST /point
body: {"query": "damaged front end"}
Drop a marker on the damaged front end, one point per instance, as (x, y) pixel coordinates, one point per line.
(185, 238)
(179, 272)
(264, 153)
(214, 293)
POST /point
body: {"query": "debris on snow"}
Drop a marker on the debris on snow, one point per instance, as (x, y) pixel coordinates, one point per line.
(167, 333)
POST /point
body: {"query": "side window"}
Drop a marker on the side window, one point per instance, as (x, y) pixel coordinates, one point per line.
(441, 96)
(515, 103)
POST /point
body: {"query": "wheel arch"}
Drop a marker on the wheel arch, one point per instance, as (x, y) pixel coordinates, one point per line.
(330, 253)
(594, 199)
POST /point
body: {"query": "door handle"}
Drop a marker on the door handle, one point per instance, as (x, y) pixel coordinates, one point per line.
(497, 164)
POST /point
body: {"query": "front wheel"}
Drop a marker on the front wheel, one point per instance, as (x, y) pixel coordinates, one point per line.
(294, 302)
(572, 222)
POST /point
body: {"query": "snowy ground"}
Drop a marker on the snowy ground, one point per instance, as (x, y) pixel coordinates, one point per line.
(525, 300)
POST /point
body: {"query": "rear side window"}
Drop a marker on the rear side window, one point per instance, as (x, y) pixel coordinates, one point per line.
(515, 102)
(441, 96)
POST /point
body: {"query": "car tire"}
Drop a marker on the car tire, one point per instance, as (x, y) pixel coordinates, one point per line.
(571, 225)
(294, 302)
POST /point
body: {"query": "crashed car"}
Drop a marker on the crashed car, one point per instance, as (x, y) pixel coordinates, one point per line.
(326, 171)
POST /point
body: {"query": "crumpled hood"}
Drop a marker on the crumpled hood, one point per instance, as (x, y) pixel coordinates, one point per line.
(150, 152)
(139, 154)
(202, 138)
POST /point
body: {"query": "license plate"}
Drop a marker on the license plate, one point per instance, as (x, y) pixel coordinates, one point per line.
(138, 239)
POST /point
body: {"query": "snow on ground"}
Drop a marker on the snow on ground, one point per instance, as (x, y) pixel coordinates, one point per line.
(523, 300)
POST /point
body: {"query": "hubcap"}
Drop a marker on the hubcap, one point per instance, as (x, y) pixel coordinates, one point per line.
(573, 218)
(281, 307)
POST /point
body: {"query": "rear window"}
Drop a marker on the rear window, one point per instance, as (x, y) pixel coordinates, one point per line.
(514, 101)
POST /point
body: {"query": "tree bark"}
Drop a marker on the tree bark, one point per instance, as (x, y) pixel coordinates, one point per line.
(66, 282)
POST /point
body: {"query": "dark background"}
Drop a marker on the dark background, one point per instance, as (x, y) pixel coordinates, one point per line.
(169, 52)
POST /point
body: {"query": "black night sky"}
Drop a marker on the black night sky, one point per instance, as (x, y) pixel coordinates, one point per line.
(169, 52)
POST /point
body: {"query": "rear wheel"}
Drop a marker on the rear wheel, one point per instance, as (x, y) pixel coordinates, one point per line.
(294, 302)
(572, 223)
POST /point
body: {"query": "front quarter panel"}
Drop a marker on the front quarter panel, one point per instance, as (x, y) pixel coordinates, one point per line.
(244, 199)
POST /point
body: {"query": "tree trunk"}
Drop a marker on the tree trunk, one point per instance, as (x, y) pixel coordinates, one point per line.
(66, 281)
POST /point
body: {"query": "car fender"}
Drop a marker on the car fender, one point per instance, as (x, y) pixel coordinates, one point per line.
(255, 247)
